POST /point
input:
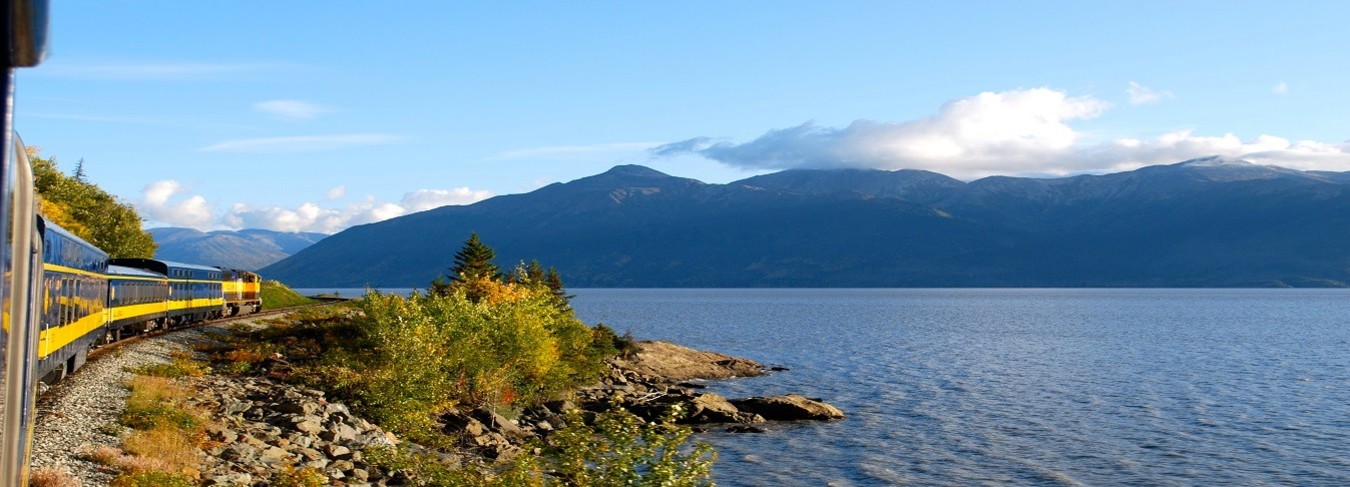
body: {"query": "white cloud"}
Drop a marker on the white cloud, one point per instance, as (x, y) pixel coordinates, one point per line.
(302, 143)
(313, 217)
(426, 199)
(1181, 145)
(160, 202)
(981, 134)
(1012, 132)
(1140, 94)
(167, 202)
(336, 193)
(310, 217)
(1280, 88)
(297, 109)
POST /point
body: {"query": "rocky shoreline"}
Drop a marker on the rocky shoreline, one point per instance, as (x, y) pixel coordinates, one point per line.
(261, 426)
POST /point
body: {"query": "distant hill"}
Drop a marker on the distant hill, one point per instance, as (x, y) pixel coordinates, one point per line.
(1210, 222)
(243, 249)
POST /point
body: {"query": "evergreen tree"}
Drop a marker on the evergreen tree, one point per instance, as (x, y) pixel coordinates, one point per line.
(441, 286)
(555, 285)
(474, 261)
(79, 170)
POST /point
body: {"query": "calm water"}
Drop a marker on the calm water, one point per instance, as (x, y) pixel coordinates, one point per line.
(1026, 387)
(1031, 387)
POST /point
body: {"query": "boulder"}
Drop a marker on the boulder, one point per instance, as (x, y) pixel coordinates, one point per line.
(308, 424)
(676, 363)
(499, 423)
(712, 408)
(789, 407)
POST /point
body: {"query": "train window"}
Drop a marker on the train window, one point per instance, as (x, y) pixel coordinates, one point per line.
(65, 302)
(71, 297)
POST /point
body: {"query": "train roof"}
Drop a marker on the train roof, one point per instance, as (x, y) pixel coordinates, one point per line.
(132, 271)
(161, 265)
(237, 272)
(49, 226)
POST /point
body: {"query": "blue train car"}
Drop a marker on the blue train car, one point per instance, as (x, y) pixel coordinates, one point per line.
(194, 290)
(138, 300)
(74, 293)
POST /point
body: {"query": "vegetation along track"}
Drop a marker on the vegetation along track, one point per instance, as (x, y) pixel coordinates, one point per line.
(80, 414)
(109, 347)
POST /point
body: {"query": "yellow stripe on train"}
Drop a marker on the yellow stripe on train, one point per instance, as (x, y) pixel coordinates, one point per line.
(52, 339)
(137, 310)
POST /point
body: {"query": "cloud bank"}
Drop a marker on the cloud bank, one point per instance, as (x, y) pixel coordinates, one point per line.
(161, 201)
(166, 203)
(1012, 132)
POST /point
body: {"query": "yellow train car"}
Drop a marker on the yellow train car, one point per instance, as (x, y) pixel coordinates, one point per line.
(243, 291)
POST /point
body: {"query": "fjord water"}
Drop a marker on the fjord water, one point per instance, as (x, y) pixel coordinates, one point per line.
(1025, 386)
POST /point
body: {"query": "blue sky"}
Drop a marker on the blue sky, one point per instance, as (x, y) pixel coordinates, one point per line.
(316, 116)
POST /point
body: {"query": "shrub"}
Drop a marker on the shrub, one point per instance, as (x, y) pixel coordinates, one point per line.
(180, 364)
(305, 477)
(163, 448)
(622, 345)
(175, 451)
(426, 470)
(620, 450)
(150, 478)
(51, 477)
(104, 455)
(422, 353)
(157, 400)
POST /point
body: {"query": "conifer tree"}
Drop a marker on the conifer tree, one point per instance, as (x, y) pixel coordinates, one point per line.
(474, 261)
(555, 285)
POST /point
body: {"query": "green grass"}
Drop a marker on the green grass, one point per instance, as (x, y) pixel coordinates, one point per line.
(276, 295)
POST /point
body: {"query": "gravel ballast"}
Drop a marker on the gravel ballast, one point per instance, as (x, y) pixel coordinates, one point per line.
(80, 412)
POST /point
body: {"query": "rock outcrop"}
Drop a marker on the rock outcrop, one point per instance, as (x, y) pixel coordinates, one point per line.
(789, 407)
(650, 383)
(675, 363)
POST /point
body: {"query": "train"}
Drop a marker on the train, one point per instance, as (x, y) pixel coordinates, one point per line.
(88, 299)
(61, 296)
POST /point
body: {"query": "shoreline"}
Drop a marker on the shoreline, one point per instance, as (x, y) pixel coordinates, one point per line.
(264, 423)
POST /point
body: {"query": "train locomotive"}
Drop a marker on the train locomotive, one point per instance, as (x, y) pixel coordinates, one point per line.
(88, 299)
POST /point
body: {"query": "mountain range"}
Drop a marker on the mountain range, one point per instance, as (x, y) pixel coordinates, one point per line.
(1210, 222)
(249, 249)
